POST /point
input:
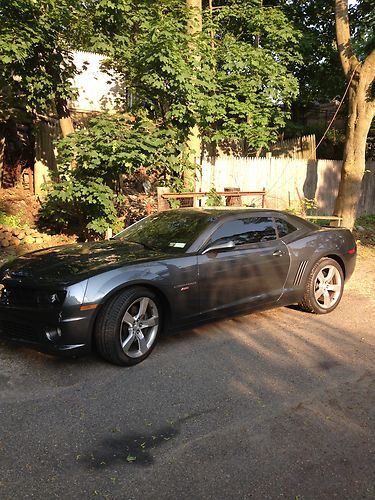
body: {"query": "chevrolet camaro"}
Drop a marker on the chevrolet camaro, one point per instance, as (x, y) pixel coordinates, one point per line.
(170, 271)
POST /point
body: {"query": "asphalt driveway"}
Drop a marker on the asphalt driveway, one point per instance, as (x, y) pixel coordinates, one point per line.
(279, 404)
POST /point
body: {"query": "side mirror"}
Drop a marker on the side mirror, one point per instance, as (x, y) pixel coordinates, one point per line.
(221, 246)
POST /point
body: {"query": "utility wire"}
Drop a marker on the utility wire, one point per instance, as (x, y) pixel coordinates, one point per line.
(338, 108)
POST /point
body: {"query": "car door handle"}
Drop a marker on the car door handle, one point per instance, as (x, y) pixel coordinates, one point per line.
(278, 253)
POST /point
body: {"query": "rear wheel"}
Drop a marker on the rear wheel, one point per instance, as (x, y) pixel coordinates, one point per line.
(127, 329)
(324, 287)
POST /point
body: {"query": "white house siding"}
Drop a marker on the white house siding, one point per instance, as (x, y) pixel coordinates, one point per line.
(95, 91)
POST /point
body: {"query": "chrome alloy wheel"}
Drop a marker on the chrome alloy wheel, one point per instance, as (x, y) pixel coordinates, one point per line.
(139, 327)
(328, 286)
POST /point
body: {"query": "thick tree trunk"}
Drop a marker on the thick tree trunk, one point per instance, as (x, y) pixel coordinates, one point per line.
(360, 77)
(354, 160)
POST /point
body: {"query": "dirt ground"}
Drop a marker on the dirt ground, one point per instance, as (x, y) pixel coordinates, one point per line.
(276, 404)
(21, 203)
(363, 279)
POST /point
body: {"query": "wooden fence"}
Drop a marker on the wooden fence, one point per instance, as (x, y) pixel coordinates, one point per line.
(47, 131)
(299, 148)
(285, 180)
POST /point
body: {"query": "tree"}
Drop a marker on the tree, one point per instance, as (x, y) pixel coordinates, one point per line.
(255, 47)
(36, 65)
(194, 27)
(360, 76)
(232, 90)
(319, 72)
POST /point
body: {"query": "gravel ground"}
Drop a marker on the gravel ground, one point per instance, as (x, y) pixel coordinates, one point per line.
(278, 404)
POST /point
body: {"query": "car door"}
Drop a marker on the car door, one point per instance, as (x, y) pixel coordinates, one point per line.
(252, 272)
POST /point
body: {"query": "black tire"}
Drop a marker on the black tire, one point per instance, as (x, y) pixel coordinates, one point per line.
(321, 295)
(114, 331)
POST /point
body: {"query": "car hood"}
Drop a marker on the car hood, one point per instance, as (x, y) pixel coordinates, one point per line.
(74, 263)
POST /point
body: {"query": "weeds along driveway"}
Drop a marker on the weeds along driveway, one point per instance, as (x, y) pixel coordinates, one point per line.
(274, 404)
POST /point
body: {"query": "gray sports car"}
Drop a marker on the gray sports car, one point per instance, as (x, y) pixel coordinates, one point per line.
(170, 271)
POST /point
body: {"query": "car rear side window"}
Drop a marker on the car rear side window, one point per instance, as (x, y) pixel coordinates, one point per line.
(284, 228)
(245, 231)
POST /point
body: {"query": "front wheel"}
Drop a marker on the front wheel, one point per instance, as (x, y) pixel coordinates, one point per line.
(127, 328)
(324, 287)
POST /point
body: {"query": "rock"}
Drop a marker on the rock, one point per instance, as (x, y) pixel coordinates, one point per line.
(21, 235)
(16, 231)
(38, 240)
(360, 228)
(15, 242)
(28, 240)
(5, 243)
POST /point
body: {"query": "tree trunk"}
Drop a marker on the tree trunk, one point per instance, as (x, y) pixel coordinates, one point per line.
(194, 26)
(360, 77)
(2, 150)
(66, 125)
(65, 120)
(354, 161)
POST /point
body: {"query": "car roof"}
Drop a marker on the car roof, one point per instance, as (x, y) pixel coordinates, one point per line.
(229, 212)
(221, 215)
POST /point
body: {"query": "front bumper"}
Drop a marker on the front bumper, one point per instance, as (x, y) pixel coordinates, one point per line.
(48, 331)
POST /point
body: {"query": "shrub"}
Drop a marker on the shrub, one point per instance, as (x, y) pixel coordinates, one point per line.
(91, 163)
(84, 207)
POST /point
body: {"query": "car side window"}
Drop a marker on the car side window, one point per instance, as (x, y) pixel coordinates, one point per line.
(245, 231)
(284, 228)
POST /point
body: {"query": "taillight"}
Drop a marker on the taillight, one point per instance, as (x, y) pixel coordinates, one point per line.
(351, 251)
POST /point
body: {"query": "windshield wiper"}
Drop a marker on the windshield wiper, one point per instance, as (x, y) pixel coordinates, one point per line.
(144, 245)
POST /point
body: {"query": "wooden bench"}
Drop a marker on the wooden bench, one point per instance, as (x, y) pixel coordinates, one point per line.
(163, 196)
(332, 218)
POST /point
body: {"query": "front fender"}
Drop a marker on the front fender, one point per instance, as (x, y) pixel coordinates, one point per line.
(176, 279)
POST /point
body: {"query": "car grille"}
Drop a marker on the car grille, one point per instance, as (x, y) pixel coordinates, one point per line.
(30, 298)
(25, 297)
(18, 331)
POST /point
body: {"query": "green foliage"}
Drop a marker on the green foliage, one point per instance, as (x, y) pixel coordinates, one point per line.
(320, 74)
(112, 145)
(332, 146)
(173, 203)
(305, 206)
(35, 62)
(9, 220)
(362, 17)
(254, 88)
(82, 206)
(367, 221)
(365, 229)
(214, 199)
(231, 86)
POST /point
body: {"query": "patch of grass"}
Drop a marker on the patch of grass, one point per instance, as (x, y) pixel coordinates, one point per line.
(364, 230)
(9, 220)
(366, 221)
(7, 257)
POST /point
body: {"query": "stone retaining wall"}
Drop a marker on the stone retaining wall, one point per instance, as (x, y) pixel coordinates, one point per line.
(13, 237)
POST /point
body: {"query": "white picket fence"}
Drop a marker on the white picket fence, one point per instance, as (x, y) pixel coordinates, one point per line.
(285, 180)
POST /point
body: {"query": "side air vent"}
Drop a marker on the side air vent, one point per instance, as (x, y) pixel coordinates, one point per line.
(300, 271)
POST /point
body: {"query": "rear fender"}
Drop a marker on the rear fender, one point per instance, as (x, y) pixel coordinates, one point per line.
(334, 243)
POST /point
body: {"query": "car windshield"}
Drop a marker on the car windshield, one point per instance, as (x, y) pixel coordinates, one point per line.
(172, 231)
